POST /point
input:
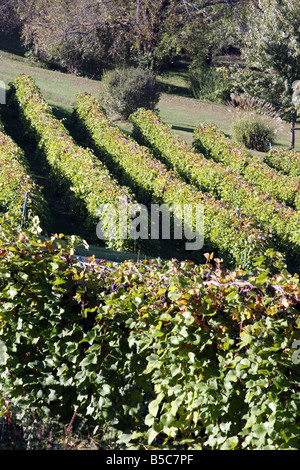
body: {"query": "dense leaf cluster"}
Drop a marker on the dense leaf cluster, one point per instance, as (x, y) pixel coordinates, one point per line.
(234, 237)
(16, 180)
(160, 355)
(83, 37)
(285, 161)
(84, 180)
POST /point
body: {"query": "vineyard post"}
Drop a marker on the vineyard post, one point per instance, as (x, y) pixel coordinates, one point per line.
(2, 92)
(24, 209)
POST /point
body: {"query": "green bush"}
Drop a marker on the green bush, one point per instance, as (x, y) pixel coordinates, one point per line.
(124, 90)
(168, 355)
(58, 359)
(253, 131)
(207, 82)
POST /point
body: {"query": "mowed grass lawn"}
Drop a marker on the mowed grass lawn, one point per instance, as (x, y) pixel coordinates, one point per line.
(176, 107)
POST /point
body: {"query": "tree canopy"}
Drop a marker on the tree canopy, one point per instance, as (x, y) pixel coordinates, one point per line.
(271, 54)
(9, 19)
(87, 35)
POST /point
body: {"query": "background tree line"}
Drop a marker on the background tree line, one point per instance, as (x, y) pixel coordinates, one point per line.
(85, 36)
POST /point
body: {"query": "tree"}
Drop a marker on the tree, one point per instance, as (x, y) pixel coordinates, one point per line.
(271, 53)
(9, 20)
(75, 34)
(92, 34)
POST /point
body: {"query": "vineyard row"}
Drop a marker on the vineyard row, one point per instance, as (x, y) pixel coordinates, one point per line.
(276, 219)
(16, 182)
(285, 161)
(84, 180)
(225, 230)
(213, 143)
(241, 221)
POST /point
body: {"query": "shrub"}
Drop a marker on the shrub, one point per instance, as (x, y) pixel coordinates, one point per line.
(210, 83)
(253, 131)
(127, 89)
(254, 104)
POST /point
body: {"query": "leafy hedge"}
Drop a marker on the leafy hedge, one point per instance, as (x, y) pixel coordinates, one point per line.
(233, 237)
(85, 181)
(210, 141)
(277, 220)
(253, 131)
(16, 180)
(286, 161)
(155, 355)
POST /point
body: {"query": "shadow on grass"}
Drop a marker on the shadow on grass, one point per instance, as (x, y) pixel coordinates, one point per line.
(278, 144)
(171, 89)
(184, 129)
(62, 113)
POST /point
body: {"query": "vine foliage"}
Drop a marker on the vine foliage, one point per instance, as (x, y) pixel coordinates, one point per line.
(156, 354)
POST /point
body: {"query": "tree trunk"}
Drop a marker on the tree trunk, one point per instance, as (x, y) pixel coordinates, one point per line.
(293, 122)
